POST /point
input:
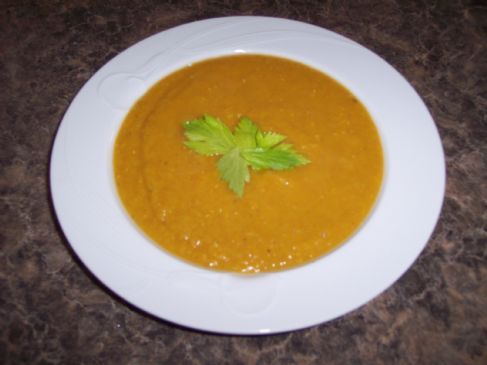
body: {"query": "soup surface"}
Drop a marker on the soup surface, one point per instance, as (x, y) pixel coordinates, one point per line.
(285, 218)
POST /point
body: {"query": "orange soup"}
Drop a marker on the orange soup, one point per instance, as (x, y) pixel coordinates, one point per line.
(285, 218)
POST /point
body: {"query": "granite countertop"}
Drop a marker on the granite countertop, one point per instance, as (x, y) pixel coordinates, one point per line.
(52, 311)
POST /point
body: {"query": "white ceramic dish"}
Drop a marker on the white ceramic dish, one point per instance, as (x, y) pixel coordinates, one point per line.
(125, 261)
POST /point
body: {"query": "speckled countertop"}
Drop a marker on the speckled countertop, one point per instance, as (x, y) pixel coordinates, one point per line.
(52, 311)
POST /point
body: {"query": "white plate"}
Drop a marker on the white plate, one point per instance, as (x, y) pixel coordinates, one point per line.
(125, 261)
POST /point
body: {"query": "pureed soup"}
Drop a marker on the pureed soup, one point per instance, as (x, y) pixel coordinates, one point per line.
(284, 218)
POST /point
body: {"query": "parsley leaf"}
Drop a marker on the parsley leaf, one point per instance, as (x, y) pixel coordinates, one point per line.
(246, 147)
(234, 170)
(208, 136)
(268, 139)
(284, 158)
(245, 133)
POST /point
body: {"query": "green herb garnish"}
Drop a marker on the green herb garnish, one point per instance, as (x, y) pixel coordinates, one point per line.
(246, 146)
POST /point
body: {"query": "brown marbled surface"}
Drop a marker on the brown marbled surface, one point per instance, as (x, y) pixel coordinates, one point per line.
(53, 312)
